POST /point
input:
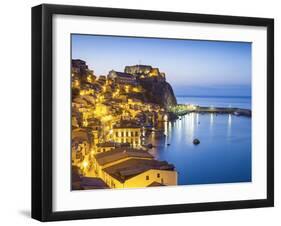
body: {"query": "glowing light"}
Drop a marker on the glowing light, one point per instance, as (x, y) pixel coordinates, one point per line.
(89, 78)
(136, 89)
(127, 88)
(85, 164)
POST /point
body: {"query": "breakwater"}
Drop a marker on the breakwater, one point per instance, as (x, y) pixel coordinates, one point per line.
(182, 109)
(220, 110)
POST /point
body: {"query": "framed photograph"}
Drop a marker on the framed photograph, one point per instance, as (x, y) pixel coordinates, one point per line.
(145, 112)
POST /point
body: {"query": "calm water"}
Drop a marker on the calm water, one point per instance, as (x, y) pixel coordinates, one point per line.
(224, 154)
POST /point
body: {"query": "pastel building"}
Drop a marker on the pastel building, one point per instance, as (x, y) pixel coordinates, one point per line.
(135, 173)
(128, 168)
(109, 158)
(127, 133)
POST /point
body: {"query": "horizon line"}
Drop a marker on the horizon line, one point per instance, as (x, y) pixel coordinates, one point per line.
(213, 96)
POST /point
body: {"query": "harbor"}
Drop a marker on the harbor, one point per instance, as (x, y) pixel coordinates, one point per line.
(183, 109)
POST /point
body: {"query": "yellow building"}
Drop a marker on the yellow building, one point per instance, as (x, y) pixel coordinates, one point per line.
(129, 168)
(80, 145)
(127, 133)
(103, 147)
(95, 136)
(154, 72)
(136, 173)
(80, 149)
(115, 156)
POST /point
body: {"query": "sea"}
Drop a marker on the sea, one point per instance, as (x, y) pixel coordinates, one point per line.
(217, 101)
(224, 152)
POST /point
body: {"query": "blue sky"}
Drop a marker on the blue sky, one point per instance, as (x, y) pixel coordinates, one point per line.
(192, 67)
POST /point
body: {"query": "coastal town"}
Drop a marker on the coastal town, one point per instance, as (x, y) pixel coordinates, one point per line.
(116, 117)
(113, 118)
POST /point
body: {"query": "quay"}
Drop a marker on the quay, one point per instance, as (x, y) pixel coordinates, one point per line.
(182, 109)
(217, 110)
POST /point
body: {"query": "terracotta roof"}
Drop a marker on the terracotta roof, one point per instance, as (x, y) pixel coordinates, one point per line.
(121, 153)
(92, 183)
(133, 167)
(106, 144)
(127, 124)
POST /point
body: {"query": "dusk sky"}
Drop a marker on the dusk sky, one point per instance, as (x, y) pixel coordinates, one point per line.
(196, 68)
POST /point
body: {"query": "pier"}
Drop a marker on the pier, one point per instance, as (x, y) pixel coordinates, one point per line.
(234, 111)
(183, 109)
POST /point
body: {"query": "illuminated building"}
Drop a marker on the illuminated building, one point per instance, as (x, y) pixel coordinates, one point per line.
(103, 147)
(110, 117)
(91, 78)
(138, 69)
(75, 83)
(79, 150)
(136, 172)
(127, 132)
(145, 72)
(79, 69)
(115, 156)
(122, 78)
(86, 91)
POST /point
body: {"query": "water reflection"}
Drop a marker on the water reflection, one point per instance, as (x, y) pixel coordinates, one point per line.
(211, 120)
(167, 131)
(190, 126)
(229, 122)
(218, 157)
(197, 120)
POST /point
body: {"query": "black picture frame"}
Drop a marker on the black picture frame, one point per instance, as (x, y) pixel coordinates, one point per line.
(42, 107)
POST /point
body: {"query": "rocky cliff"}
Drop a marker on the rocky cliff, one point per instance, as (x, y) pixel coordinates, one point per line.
(160, 93)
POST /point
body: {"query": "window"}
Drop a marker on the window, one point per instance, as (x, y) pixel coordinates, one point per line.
(136, 134)
(147, 177)
(158, 175)
(122, 134)
(116, 134)
(162, 181)
(127, 134)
